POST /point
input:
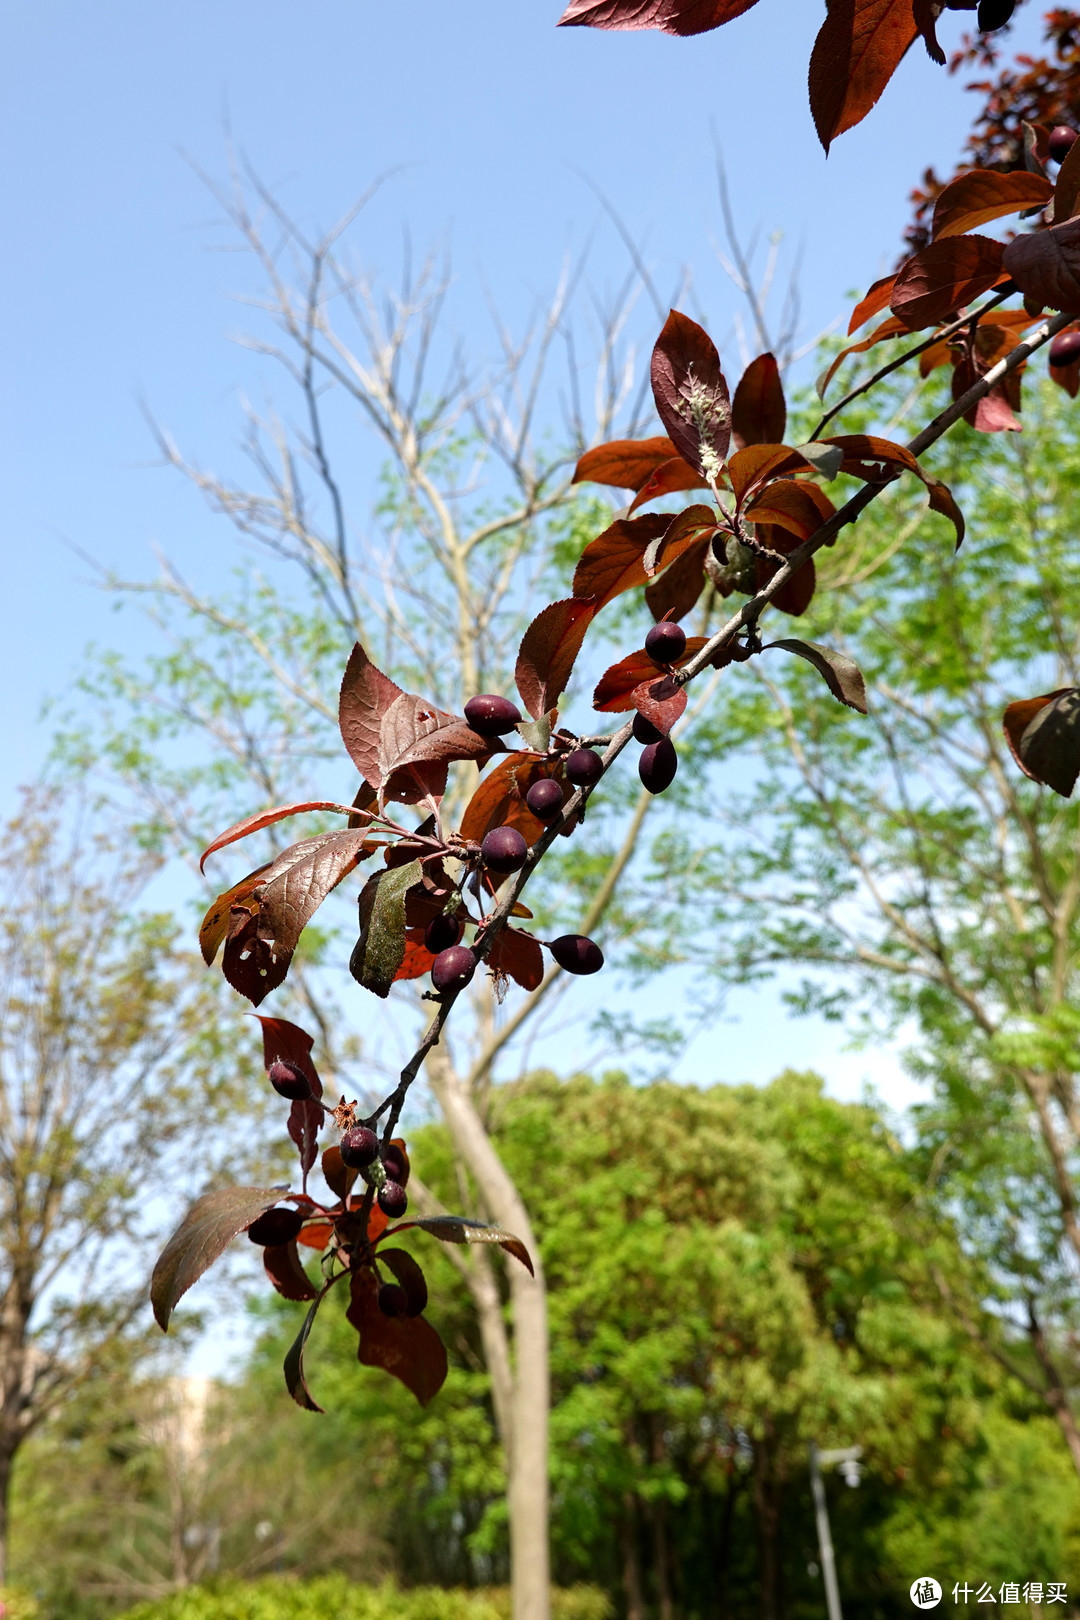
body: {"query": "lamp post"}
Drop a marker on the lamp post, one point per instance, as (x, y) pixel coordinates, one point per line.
(847, 1458)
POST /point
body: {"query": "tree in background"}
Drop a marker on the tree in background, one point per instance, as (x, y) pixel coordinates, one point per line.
(111, 1088)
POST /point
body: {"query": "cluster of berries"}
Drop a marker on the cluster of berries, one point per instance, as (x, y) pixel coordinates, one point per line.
(359, 1151)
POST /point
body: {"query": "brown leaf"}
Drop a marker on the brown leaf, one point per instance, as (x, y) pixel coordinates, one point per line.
(517, 954)
(841, 674)
(676, 591)
(856, 53)
(1046, 266)
(616, 686)
(758, 411)
(338, 1177)
(687, 529)
(266, 818)
(801, 509)
(614, 561)
(499, 800)
(980, 195)
(282, 1265)
(796, 594)
(871, 458)
(202, 1236)
(751, 467)
(457, 1229)
(875, 300)
(407, 1347)
(215, 925)
(926, 13)
(548, 650)
(407, 1272)
(366, 696)
(661, 700)
(888, 329)
(251, 964)
(670, 478)
(295, 1381)
(1067, 187)
(281, 1039)
(669, 16)
(1044, 736)
(299, 881)
(691, 395)
(623, 463)
(944, 277)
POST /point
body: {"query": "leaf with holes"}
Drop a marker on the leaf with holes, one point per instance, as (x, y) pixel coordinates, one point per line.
(691, 394)
(201, 1238)
(548, 650)
(378, 952)
(758, 411)
(840, 673)
(661, 700)
(1044, 736)
(1046, 266)
(980, 195)
(945, 277)
(614, 561)
(407, 1347)
(857, 51)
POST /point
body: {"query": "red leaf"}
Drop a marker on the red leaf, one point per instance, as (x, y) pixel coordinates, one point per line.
(250, 964)
(676, 591)
(282, 1266)
(868, 457)
(797, 593)
(888, 329)
(692, 525)
(202, 1236)
(691, 394)
(750, 467)
(408, 1347)
(944, 277)
(614, 561)
(266, 818)
(623, 463)
(980, 195)
(758, 412)
(615, 689)
(660, 700)
(801, 509)
(284, 1040)
(548, 650)
(1044, 735)
(499, 800)
(670, 478)
(871, 303)
(856, 53)
(366, 696)
(215, 925)
(1046, 266)
(295, 1381)
(1067, 187)
(680, 17)
(518, 954)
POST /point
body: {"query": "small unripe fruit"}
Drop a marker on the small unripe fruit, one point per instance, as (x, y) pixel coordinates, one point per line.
(275, 1227)
(665, 642)
(491, 715)
(1065, 349)
(577, 954)
(453, 967)
(644, 730)
(657, 765)
(442, 932)
(289, 1080)
(994, 14)
(584, 767)
(393, 1199)
(545, 799)
(504, 849)
(359, 1147)
(395, 1166)
(1061, 140)
(393, 1300)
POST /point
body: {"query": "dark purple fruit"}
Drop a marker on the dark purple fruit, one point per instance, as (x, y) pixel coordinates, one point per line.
(545, 799)
(277, 1226)
(994, 14)
(1065, 349)
(665, 642)
(584, 767)
(395, 1165)
(393, 1199)
(393, 1300)
(504, 849)
(577, 954)
(657, 765)
(359, 1147)
(644, 730)
(1061, 140)
(289, 1080)
(491, 715)
(453, 968)
(442, 932)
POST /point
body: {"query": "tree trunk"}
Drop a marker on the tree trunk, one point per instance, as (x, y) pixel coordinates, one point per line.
(7, 1458)
(663, 1561)
(530, 1395)
(767, 1510)
(635, 1603)
(723, 1546)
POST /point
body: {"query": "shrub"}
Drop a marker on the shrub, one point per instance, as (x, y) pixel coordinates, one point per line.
(279, 1598)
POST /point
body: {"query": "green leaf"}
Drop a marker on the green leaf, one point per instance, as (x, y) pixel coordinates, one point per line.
(380, 950)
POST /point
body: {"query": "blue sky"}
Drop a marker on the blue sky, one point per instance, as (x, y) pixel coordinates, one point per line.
(495, 122)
